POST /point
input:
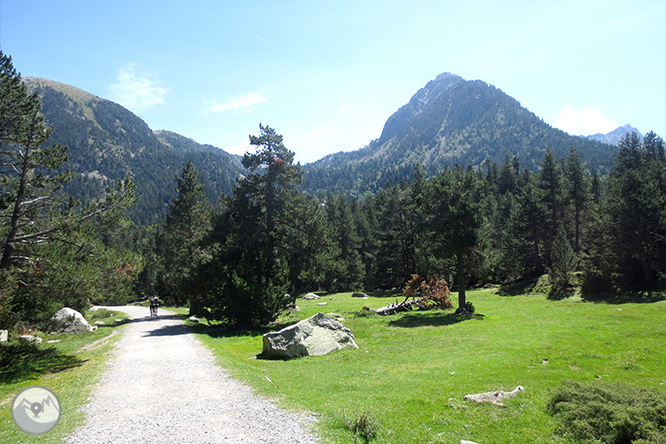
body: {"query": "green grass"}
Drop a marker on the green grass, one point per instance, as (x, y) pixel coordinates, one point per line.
(412, 370)
(67, 368)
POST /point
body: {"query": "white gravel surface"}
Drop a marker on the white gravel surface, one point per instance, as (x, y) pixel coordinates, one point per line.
(162, 386)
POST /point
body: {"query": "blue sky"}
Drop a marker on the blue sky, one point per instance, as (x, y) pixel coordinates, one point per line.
(326, 74)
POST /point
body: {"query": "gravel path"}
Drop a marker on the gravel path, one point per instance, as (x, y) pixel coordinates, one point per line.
(162, 386)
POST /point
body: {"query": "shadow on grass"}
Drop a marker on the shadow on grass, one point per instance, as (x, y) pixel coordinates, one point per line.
(225, 331)
(518, 288)
(431, 319)
(387, 294)
(629, 297)
(20, 361)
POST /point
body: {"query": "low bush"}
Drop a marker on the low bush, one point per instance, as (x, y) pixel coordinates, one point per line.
(363, 426)
(610, 413)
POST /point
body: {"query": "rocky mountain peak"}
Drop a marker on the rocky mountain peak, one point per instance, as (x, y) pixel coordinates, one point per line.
(419, 102)
(614, 137)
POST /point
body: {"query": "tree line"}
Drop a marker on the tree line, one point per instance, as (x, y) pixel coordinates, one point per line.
(246, 259)
(495, 224)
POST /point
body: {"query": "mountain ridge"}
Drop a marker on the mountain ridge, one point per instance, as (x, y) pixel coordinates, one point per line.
(451, 121)
(107, 142)
(447, 122)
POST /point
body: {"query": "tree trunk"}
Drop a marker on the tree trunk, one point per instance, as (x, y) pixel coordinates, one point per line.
(8, 250)
(462, 300)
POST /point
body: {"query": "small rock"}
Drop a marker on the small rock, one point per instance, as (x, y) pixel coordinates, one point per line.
(193, 319)
(31, 338)
(311, 297)
(53, 341)
(4, 335)
(100, 323)
(464, 441)
(323, 303)
(494, 397)
(358, 294)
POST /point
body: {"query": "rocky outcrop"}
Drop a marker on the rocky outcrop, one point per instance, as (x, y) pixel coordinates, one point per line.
(315, 336)
(494, 397)
(68, 320)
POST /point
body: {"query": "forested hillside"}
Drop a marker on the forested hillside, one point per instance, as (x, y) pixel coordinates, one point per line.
(451, 122)
(107, 142)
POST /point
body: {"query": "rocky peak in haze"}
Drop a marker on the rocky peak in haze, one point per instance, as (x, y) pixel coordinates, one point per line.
(614, 137)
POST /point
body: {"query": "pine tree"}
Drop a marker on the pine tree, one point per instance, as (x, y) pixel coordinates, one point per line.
(454, 225)
(550, 184)
(52, 251)
(348, 271)
(179, 247)
(637, 202)
(576, 189)
(563, 260)
(265, 237)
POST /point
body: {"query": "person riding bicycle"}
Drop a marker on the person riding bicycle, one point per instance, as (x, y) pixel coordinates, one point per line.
(154, 303)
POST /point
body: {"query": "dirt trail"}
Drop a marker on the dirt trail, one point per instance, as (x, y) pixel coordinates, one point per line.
(162, 386)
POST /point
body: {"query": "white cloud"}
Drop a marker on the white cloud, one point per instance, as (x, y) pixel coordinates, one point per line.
(137, 90)
(585, 122)
(240, 149)
(242, 102)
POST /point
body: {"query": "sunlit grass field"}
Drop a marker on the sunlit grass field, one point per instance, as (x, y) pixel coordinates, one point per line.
(412, 370)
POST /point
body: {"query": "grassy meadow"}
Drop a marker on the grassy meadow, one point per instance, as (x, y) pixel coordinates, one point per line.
(70, 368)
(407, 380)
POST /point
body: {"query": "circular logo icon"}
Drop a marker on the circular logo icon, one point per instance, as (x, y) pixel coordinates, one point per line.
(36, 410)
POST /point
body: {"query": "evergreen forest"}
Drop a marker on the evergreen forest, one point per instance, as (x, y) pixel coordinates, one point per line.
(242, 257)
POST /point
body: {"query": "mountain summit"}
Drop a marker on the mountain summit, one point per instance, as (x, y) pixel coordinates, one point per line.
(614, 137)
(451, 121)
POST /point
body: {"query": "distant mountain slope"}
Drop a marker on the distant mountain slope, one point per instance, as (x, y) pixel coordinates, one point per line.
(107, 142)
(614, 137)
(450, 121)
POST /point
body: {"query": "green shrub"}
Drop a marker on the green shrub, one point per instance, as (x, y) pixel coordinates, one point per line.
(101, 313)
(610, 413)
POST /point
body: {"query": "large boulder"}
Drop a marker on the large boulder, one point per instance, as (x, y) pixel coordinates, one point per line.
(68, 320)
(315, 336)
